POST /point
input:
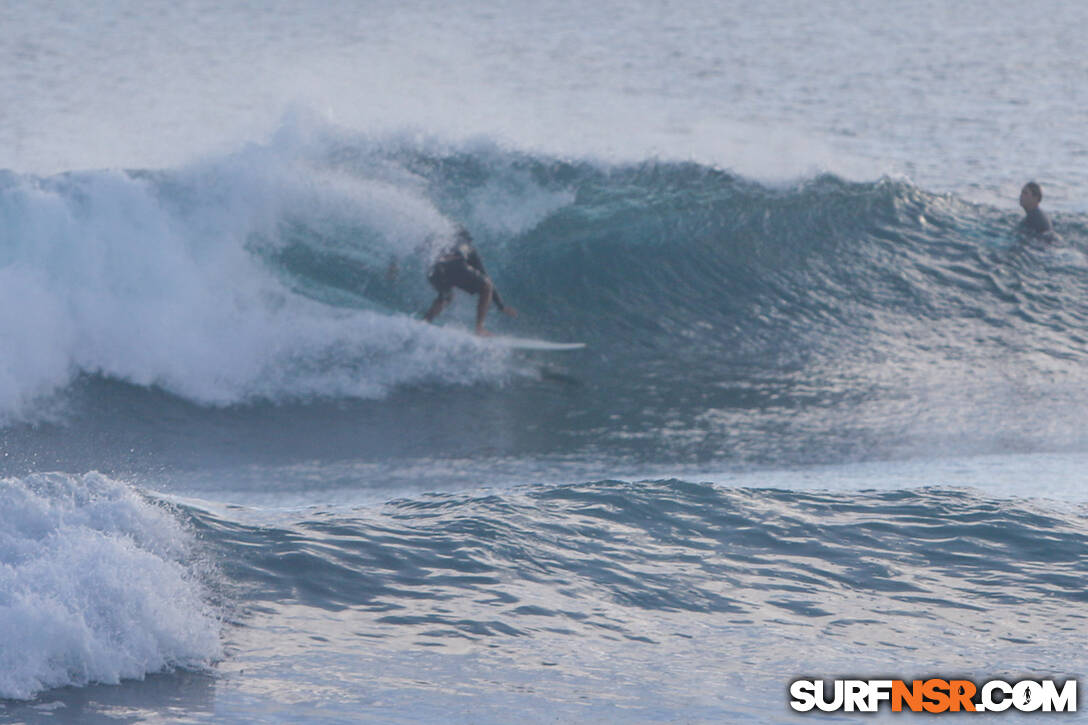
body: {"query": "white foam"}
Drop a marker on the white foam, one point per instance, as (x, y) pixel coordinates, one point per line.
(95, 586)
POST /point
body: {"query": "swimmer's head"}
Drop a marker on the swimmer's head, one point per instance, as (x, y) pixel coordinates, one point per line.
(1030, 196)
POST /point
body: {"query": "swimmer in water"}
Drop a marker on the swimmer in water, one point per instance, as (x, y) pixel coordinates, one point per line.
(1035, 220)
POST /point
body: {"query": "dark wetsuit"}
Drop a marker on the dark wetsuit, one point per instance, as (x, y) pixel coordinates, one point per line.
(460, 266)
(1036, 222)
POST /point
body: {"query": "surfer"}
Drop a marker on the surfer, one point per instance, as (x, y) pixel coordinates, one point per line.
(460, 266)
(1035, 220)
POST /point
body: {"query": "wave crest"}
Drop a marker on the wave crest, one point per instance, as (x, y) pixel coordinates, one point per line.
(95, 586)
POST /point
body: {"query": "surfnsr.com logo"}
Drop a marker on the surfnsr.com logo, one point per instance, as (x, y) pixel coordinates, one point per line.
(933, 695)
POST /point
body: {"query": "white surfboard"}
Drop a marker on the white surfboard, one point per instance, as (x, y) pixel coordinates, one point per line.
(528, 343)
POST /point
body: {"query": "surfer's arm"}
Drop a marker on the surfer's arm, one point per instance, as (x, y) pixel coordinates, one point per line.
(476, 263)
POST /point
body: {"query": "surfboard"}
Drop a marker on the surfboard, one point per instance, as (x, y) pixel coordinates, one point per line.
(528, 343)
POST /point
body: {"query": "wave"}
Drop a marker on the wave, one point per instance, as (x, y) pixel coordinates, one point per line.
(671, 251)
(101, 583)
(292, 270)
(159, 280)
(608, 559)
(97, 583)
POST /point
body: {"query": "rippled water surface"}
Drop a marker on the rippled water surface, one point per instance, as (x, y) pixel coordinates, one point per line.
(829, 420)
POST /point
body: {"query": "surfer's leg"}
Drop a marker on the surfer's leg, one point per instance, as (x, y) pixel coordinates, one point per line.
(438, 305)
(439, 278)
(482, 305)
(471, 280)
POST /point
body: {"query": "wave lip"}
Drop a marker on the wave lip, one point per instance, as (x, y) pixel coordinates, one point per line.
(95, 586)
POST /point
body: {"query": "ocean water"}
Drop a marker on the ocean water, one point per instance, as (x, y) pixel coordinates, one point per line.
(830, 419)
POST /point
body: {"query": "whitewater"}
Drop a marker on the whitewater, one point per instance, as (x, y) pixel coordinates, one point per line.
(829, 421)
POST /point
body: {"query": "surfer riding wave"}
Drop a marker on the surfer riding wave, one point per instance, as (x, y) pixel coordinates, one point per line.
(460, 266)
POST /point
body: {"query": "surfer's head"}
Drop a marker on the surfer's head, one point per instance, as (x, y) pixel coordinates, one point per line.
(461, 235)
(1030, 196)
